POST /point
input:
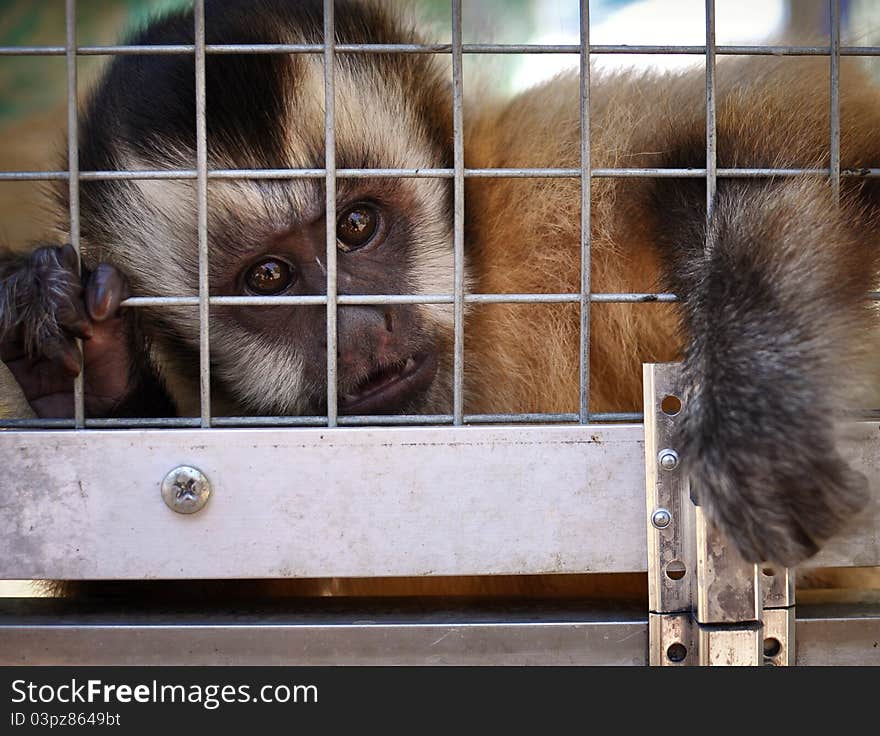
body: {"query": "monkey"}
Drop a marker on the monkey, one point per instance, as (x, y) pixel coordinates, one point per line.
(266, 111)
(773, 327)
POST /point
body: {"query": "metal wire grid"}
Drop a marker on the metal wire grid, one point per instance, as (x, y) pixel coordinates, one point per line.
(458, 173)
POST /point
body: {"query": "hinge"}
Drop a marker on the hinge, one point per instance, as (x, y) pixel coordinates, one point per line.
(707, 605)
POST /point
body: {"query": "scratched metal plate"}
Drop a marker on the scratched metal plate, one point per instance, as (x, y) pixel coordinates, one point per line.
(345, 502)
(315, 503)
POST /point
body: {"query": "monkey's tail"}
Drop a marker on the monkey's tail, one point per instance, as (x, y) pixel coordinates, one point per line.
(775, 306)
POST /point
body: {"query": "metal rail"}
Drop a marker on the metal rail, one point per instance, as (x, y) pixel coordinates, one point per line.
(39, 632)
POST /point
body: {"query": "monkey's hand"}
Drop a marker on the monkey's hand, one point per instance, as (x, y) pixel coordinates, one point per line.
(777, 327)
(44, 306)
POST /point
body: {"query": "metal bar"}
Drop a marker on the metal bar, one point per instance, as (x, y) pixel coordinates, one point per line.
(615, 478)
(79, 410)
(289, 522)
(482, 48)
(41, 632)
(671, 556)
(778, 586)
(366, 299)
(313, 421)
(672, 640)
(330, 208)
(779, 637)
(202, 217)
(325, 632)
(738, 646)
(371, 299)
(727, 589)
(308, 421)
(838, 635)
(458, 215)
(620, 416)
(33, 50)
(711, 127)
(586, 219)
(835, 99)
(389, 420)
(778, 616)
(526, 173)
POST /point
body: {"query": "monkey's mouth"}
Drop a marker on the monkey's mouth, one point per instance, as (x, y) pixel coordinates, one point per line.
(390, 389)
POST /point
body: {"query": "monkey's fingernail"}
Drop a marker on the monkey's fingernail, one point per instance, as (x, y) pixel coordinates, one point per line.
(106, 289)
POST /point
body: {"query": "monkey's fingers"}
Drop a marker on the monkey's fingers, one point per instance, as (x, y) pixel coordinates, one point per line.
(64, 354)
(43, 304)
(58, 350)
(110, 377)
(74, 320)
(47, 383)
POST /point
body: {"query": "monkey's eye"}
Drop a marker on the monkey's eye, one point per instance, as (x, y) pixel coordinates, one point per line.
(356, 226)
(269, 276)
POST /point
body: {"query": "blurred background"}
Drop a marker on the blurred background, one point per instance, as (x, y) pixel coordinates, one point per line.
(32, 89)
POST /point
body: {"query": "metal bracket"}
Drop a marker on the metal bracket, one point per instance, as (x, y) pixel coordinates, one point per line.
(778, 616)
(707, 605)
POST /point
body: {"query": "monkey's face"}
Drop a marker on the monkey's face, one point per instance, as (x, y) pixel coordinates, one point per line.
(268, 238)
(392, 237)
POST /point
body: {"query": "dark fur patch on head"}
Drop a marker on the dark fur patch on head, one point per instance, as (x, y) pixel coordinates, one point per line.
(144, 106)
(147, 102)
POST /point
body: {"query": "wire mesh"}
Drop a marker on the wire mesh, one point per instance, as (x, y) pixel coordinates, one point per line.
(79, 411)
(459, 173)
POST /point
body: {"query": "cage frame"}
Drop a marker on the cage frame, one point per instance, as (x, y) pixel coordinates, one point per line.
(38, 632)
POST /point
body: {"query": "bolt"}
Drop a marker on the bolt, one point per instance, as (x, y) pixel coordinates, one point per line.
(668, 459)
(186, 490)
(661, 518)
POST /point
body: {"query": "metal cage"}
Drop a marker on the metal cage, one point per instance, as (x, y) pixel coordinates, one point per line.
(557, 493)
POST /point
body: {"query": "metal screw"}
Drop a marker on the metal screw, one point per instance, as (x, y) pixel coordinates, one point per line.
(186, 490)
(668, 459)
(661, 518)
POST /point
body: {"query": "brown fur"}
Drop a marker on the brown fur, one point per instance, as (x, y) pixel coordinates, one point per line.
(525, 233)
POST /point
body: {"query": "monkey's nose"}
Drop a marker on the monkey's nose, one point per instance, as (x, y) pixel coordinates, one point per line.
(365, 338)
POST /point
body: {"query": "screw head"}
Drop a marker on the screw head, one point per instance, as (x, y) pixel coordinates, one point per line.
(668, 459)
(186, 490)
(661, 518)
